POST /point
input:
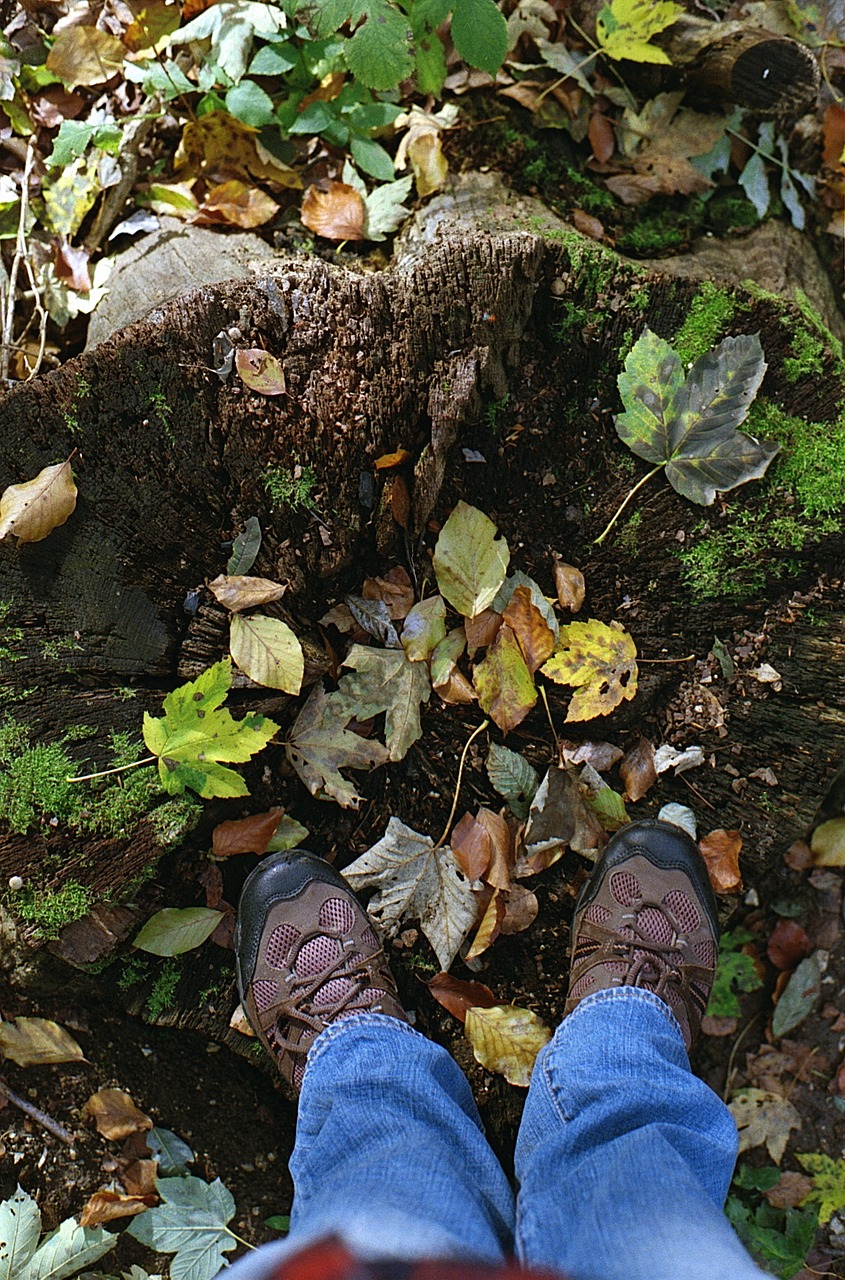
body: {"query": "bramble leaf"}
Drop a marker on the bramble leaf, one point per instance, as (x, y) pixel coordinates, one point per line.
(480, 34)
(600, 661)
(195, 734)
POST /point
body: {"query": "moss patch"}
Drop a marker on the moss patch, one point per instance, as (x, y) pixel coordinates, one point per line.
(49, 913)
(711, 310)
(807, 357)
(164, 990)
(811, 463)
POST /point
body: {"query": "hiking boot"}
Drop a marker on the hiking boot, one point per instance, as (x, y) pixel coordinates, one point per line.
(647, 918)
(306, 956)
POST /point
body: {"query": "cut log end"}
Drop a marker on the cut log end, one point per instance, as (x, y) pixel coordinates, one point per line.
(762, 72)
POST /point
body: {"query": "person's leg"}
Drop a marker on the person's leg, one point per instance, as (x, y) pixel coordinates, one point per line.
(390, 1154)
(624, 1157)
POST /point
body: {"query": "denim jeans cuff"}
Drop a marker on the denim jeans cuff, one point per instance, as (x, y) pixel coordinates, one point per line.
(639, 995)
(347, 1026)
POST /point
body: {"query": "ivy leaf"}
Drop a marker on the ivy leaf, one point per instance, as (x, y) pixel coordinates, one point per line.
(320, 745)
(35, 508)
(480, 34)
(829, 1177)
(600, 661)
(267, 651)
(174, 930)
(470, 561)
(414, 879)
(191, 1223)
(385, 680)
(195, 733)
(690, 426)
(624, 28)
(513, 777)
(506, 1039)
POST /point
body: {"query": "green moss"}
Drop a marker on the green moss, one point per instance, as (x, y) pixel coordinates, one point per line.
(172, 820)
(34, 786)
(291, 487)
(811, 464)
(736, 562)
(135, 970)
(629, 537)
(54, 650)
(727, 211)
(51, 912)
(163, 990)
(816, 323)
(711, 310)
(10, 637)
(808, 352)
(14, 739)
(493, 413)
(570, 322)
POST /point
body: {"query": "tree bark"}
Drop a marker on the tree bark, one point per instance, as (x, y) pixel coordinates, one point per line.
(487, 297)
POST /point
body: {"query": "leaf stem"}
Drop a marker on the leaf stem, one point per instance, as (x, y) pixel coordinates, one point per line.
(600, 539)
(104, 773)
(474, 734)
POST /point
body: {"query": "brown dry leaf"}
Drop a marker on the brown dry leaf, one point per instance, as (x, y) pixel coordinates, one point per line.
(662, 164)
(396, 459)
(240, 592)
(260, 371)
(400, 500)
(718, 1027)
(211, 879)
(789, 1192)
(35, 508)
(395, 589)
(490, 926)
(764, 1119)
(521, 909)
(471, 844)
(799, 856)
(458, 996)
(115, 1114)
(587, 225)
(768, 1067)
(601, 755)
(71, 262)
(788, 944)
(482, 630)
(217, 145)
(834, 136)
(637, 770)
(237, 204)
(245, 835)
(54, 105)
(139, 1177)
(33, 1042)
(569, 585)
(85, 55)
(106, 1206)
(498, 872)
(720, 850)
(151, 25)
(535, 636)
(670, 176)
(559, 819)
(456, 689)
(429, 164)
(507, 1039)
(601, 132)
(337, 213)
(224, 933)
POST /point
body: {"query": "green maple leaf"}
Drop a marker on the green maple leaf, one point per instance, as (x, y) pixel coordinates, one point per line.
(624, 28)
(829, 1191)
(196, 733)
(689, 426)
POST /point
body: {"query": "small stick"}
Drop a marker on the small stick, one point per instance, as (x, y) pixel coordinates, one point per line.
(474, 734)
(688, 658)
(21, 256)
(52, 1126)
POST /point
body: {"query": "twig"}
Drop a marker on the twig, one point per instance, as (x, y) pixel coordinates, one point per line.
(52, 1126)
(115, 198)
(549, 718)
(696, 792)
(729, 1073)
(474, 734)
(21, 256)
(662, 661)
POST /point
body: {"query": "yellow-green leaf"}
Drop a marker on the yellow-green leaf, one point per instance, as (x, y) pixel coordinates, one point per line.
(424, 628)
(506, 1039)
(85, 55)
(267, 651)
(829, 1177)
(503, 682)
(32, 1042)
(37, 507)
(624, 28)
(174, 930)
(470, 561)
(600, 662)
(68, 197)
(828, 843)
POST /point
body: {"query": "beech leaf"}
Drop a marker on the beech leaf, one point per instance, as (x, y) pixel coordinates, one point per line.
(385, 680)
(504, 683)
(174, 930)
(260, 371)
(237, 591)
(195, 734)
(600, 661)
(33, 1042)
(798, 998)
(245, 835)
(720, 851)
(115, 1114)
(470, 561)
(425, 627)
(690, 425)
(337, 213)
(35, 508)
(637, 770)
(536, 638)
(415, 880)
(85, 55)
(506, 1039)
(319, 745)
(267, 651)
(459, 996)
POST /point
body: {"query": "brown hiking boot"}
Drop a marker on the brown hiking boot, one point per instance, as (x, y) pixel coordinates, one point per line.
(647, 918)
(306, 955)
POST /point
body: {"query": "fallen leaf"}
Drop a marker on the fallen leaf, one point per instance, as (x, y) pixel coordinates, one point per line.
(601, 755)
(32, 1042)
(569, 585)
(245, 835)
(458, 996)
(237, 591)
(519, 579)
(799, 997)
(513, 777)
(834, 136)
(600, 661)
(720, 851)
(71, 263)
(588, 226)
(669, 757)
(828, 1183)
(260, 371)
(238, 204)
(336, 213)
(827, 843)
(413, 879)
(106, 1206)
(425, 627)
(637, 770)
(85, 55)
(536, 638)
(506, 1039)
(559, 818)
(765, 674)
(791, 1189)
(240, 1022)
(600, 131)
(489, 926)
(482, 630)
(319, 745)
(289, 835)
(115, 1114)
(470, 560)
(767, 1068)
(384, 680)
(798, 856)
(471, 845)
(35, 508)
(498, 873)
(788, 944)
(681, 816)
(176, 199)
(139, 1177)
(217, 144)
(503, 682)
(174, 930)
(624, 28)
(395, 589)
(151, 25)
(374, 619)
(55, 105)
(267, 651)
(764, 1119)
(606, 804)
(521, 907)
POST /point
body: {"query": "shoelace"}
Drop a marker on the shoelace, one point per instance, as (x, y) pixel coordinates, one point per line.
(652, 953)
(355, 968)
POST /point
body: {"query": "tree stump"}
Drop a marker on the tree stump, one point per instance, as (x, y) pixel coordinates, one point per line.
(490, 302)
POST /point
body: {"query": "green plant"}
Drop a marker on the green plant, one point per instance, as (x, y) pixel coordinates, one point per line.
(779, 1238)
(808, 352)
(736, 973)
(710, 311)
(134, 970)
(291, 487)
(494, 411)
(163, 989)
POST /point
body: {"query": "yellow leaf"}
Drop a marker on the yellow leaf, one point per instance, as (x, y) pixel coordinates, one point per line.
(489, 928)
(828, 844)
(764, 1118)
(507, 1039)
(68, 199)
(85, 55)
(267, 651)
(32, 1042)
(151, 27)
(238, 592)
(219, 144)
(624, 28)
(600, 662)
(37, 507)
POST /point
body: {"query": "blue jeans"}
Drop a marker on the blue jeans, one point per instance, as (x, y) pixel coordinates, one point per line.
(623, 1159)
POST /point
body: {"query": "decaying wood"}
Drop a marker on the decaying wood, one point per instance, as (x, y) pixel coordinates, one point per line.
(171, 462)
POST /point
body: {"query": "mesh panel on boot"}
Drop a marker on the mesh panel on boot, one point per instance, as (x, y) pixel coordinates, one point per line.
(337, 914)
(317, 955)
(705, 952)
(279, 944)
(264, 994)
(597, 913)
(369, 939)
(654, 925)
(684, 910)
(625, 888)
